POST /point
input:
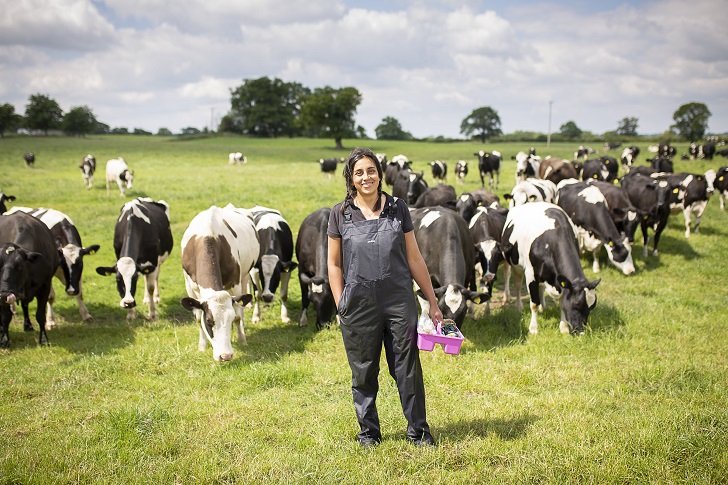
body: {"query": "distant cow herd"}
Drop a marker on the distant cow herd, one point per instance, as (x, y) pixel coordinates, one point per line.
(232, 257)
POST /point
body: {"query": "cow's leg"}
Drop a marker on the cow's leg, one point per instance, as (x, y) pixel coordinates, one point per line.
(535, 294)
(563, 325)
(304, 305)
(151, 293)
(497, 179)
(254, 281)
(6, 316)
(721, 198)
(595, 266)
(239, 326)
(121, 187)
(645, 238)
(285, 278)
(50, 316)
(85, 315)
(687, 213)
(518, 284)
(27, 325)
(506, 285)
(108, 188)
(40, 313)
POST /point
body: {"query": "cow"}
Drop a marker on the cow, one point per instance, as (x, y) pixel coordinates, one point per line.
(556, 170)
(489, 163)
(723, 152)
(486, 228)
(29, 159)
(594, 169)
(312, 253)
(4, 197)
(721, 185)
(219, 248)
(583, 152)
(118, 171)
(439, 170)
(441, 194)
(539, 242)
(461, 170)
(693, 150)
(689, 194)
(665, 150)
(652, 200)
(587, 207)
(142, 242)
(445, 243)
(707, 151)
(468, 203)
(237, 158)
(629, 157)
(88, 167)
(610, 145)
(28, 260)
(328, 166)
(623, 212)
(662, 163)
(398, 164)
(382, 157)
(71, 253)
(527, 165)
(409, 185)
(531, 190)
(275, 261)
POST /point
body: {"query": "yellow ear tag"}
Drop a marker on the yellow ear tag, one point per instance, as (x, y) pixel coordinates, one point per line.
(532, 198)
(611, 244)
(720, 178)
(476, 300)
(563, 285)
(675, 191)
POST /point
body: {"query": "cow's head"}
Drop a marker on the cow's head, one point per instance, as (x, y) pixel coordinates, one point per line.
(490, 256)
(216, 315)
(15, 268)
(319, 293)
(452, 301)
(71, 257)
(416, 187)
(128, 177)
(627, 221)
(578, 299)
(127, 273)
(620, 255)
(3, 198)
(270, 267)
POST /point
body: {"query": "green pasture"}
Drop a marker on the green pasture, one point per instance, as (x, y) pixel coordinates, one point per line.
(640, 398)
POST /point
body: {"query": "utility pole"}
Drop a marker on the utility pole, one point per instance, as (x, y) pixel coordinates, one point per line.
(548, 138)
(212, 118)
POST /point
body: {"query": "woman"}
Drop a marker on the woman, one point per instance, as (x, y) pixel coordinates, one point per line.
(373, 257)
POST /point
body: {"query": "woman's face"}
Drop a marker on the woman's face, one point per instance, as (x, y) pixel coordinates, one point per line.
(365, 176)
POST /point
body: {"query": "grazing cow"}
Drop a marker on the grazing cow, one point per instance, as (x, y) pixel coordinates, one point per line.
(312, 251)
(583, 152)
(723, 152)
(527, 165)
(71, 252)
(665, 150)
(439, 170)
(28, 260)
(328, 165)
(539, 242)
(461, 170)
(623, 212)
(587, 207)
(398, 164)
(468, 203)
(486, 228)
(275, 261)
(409, 185)
(3, 198)
(693, 150)
(118, 171)
(489, 163)
(88, 167)
(556, 170)
(594, 170)
(707, 151)
(652, 199)
(445, 243)
(610, 145)
(689, 194)
(441, 194)
(29, 159)
(629, 157)
(662, 164)
(721, 185)
(531, 190)
(237, 158)
(219, 248)
(142, 242)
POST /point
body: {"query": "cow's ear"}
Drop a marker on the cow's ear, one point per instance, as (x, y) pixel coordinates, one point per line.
(90, 249)
(420, 294)
(34, 257)
(243, 299)
(440, 291)
(12, 197)
(190, 304)
(289, 266)
(58, 243)
(305, 279)
(564, 283)
(532, 198)
(106, 270)
(477, 297)
(592, 285)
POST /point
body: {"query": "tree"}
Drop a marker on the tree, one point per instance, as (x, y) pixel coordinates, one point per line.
(190, 130)
(627, 127)
(484, 121)
(390, 129)
(120, 130)
(43, 113)
(164, 132)
(266, 107)
(141, 131)
(329, 113)
(230, 123)
(691, 121)
(9, 120)
(79, 121)
(570, 131)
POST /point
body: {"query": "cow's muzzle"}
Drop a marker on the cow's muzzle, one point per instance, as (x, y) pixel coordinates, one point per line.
(267, 297)
(127, 304)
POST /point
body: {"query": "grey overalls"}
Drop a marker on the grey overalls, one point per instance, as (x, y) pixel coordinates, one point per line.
(378, 305)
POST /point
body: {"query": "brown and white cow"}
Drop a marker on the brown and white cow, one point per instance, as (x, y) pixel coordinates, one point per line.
(219, 248)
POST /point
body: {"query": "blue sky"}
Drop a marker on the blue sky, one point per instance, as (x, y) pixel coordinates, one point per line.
(157, 63)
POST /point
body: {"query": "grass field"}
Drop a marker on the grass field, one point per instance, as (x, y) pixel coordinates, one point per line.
(640, 398)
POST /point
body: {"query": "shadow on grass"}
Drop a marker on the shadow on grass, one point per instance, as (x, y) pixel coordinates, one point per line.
(505, 429)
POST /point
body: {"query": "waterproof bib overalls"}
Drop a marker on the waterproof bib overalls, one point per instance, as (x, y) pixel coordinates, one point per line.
(378, 306)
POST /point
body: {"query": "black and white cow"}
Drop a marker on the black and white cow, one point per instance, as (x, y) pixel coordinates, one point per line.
(610, 145)
(441, 194)
(142, 242)
(623, 212)
(219, 248)
(461, 171)
(88, 167)
(489, 163)
(399, 163)
(312, 252)
(468, 203)
(28, 260)
(583, 152)
(409, 185)
(4, 197)
(71, 252)
(594, 169)
(689, 194)
(651, 197)
(665, 150)
(439, 170)
(486, 228)
(531, 190)
(275, 261)
(237, 158)
(629, 157)
(445, 243)
(328, 165)
(662, 164)
(527, 166)
(539, 242)
(587, 207)
(118, 171)
(707, 151)
(721, 185)
(29, 159)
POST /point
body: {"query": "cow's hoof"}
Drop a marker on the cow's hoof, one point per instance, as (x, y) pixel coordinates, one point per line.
(28, 327)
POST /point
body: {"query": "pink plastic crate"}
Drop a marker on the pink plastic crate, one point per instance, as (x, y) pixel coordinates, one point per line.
(450, 345)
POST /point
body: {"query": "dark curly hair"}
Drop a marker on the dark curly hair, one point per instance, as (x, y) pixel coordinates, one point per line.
(356, 155)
